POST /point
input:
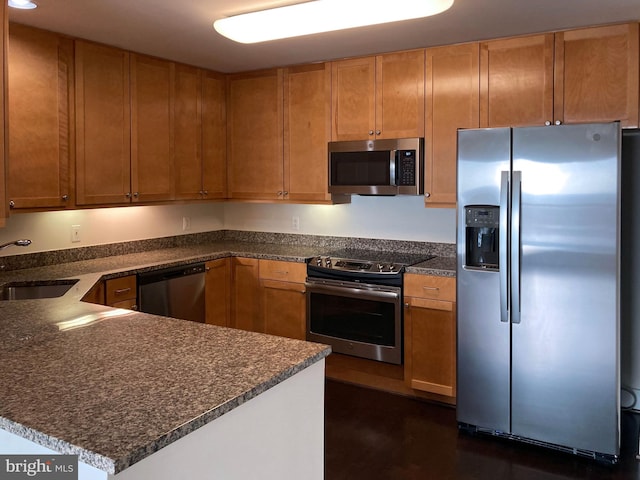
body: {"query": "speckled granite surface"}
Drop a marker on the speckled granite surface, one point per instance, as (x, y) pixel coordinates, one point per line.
(126, 384)
(114, 386)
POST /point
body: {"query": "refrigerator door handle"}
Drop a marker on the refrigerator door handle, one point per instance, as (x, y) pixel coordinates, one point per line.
(503, 247)
(516, 207)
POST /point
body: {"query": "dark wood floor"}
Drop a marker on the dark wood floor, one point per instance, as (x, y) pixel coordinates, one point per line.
(375, 435)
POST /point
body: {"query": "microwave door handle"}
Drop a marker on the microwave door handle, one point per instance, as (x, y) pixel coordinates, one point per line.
(393, 165)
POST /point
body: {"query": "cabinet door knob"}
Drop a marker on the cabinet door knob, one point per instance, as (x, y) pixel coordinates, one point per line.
(378, 132)
(127, 195)
(558, 122)
(427, 194)
(135, 194)
(547, 123)
(370, 132)
(12, 204)
(65, 198)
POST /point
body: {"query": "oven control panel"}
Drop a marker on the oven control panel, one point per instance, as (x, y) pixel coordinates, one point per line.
(349, 265)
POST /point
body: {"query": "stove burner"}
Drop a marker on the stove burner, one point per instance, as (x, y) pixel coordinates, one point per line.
(366, 262)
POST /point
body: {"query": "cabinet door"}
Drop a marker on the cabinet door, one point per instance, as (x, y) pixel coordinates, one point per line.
(102, 124)
(218, 292)
(284, 308)
(4, 151)
(597, 75)
(40, 116)
(353, 99)
(430, 346)
(152, 139)
(307, 130)
(452, 102)
(187, 133)
(400, 94)
(516, 81)
(214, 136)
(245, 295)
(255, 135)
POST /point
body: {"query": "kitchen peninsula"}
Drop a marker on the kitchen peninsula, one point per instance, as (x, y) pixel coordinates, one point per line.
(143, 396)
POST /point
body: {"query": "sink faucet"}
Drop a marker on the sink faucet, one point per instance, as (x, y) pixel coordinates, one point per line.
(20, 243)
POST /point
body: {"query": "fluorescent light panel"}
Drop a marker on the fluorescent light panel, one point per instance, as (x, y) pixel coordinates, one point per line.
(22, 4)
(323, 16)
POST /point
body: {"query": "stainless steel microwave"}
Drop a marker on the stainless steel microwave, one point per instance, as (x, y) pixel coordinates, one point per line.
(377, 167)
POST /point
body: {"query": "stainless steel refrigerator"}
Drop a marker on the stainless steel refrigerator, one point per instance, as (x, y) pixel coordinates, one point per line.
(538, 285)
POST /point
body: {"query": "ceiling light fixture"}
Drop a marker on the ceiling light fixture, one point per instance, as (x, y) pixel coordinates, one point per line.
(323, 16)
(22, 4)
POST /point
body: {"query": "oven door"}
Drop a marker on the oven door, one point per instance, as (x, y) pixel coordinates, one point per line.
(356, 319)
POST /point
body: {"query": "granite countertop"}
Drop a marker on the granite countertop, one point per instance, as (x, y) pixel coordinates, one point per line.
(113, 386)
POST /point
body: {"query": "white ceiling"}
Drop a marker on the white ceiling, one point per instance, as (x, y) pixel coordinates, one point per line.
(182, 30)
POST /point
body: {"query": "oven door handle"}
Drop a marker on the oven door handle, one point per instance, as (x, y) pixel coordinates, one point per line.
(348, 291)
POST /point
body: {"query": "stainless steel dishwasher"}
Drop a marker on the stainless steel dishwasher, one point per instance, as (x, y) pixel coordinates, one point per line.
(176, 292)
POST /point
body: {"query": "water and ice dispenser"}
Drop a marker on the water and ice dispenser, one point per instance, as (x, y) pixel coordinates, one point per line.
(482, 224)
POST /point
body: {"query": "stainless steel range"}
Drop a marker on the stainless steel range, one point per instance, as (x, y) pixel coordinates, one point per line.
(354, 302)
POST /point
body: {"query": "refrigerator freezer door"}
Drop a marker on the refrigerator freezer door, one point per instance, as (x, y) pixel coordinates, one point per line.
(565, 377)
(483, 339)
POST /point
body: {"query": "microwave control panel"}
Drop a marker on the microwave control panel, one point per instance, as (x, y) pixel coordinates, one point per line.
(406, 167)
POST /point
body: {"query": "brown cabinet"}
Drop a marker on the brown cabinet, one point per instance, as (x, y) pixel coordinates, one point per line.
(576, 76)
(516, 81)
(255, 135)
(4, 151)
(199, 134)
(218, 292)
(430, 334)
(40, 66)
(452, 102)
(378, 97)
(121, 292)
(597, 75)
(284, 305)
(214, 136)
(152, 135)
(307, 131)
(103, 173)
(246, 312)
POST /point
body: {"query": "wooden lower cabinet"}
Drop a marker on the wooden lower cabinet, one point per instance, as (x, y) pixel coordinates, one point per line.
(118, 292)
(430, 334)
(284, 305)
(245, 295)
(218, 292)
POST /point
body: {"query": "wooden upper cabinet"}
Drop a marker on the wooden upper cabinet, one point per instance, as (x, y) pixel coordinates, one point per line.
(516, 81)
(597, 75)
(40, 67)
(152, 133)
(307, 131)
(102, 124)
(353, 88)
(378, 97)
(214, 136)
(452, 102)
(400, 94)
(255, 135)
(188, 133)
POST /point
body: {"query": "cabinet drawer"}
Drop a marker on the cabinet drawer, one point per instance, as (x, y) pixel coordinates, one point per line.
(427, 286)
(283, 271)
(120, 289)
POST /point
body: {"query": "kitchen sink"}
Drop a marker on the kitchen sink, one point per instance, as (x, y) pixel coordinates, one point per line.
(35, 289)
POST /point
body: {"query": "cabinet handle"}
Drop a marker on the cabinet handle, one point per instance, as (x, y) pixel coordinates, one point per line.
(430, 288)
(65, 198)
(122, 291)
(378, 132)
(135, 194)
(12, 204)
(281, 272)
(279, 194)
(547, 123)
(558, 122)
(370, 132)
(205, 193)
(427, 194)
(127, 195)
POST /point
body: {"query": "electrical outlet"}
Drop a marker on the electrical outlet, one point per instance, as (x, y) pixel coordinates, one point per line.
(186, 223)
(75, 233)
(295, 223)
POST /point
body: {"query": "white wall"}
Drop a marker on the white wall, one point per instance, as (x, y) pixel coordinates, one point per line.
(396, 218)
